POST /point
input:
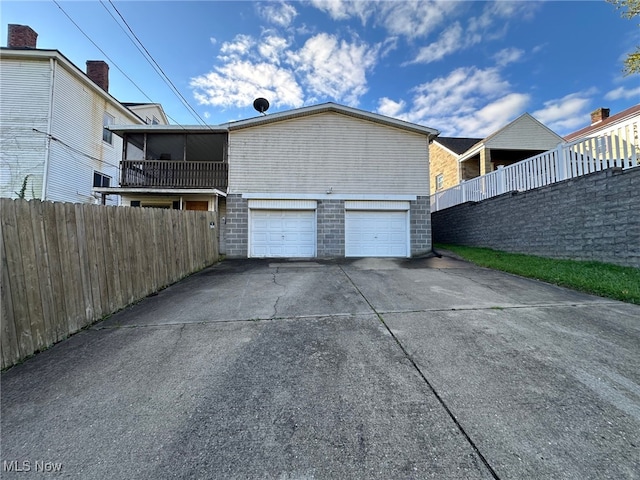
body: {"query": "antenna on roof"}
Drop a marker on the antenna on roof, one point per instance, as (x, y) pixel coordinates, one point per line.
(261, 105)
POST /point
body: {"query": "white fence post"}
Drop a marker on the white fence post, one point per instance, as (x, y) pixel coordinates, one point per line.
(463, 191)
(561, 161)
(501, 184)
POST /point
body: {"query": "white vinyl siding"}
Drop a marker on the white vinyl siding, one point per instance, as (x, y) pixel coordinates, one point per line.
(328, 151)
(526, 133)
(25, 107)
(77, 122)
(282, 233)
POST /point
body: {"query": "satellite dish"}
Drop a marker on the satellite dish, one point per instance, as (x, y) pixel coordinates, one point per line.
(261, 105)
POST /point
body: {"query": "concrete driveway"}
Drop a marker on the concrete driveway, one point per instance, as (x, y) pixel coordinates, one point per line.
(369, 368)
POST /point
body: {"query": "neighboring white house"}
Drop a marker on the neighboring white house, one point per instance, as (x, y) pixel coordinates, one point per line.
(602, 123)
(151, 113)
(53, 139)
(327, 181)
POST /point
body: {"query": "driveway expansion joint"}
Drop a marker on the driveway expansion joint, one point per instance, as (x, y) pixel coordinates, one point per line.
(426, 381)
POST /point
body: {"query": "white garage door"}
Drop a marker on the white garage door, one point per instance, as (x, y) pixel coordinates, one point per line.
(376, 234)
(283, 233)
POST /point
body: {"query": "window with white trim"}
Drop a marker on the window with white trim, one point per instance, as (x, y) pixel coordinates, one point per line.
(101, 180)
(439, 181)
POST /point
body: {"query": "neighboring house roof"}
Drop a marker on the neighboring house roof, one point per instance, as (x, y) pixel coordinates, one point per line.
(524, 133)
(618, 117)
(146, 109)
(45, 54)
(121, 129)
(335, 108)
(457, 145)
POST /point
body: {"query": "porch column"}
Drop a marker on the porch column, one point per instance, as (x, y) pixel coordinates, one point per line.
(485, 161)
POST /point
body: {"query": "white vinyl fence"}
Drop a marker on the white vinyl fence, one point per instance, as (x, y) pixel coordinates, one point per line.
(617, 146)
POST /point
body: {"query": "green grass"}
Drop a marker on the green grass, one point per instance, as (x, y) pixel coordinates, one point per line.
(603, 279)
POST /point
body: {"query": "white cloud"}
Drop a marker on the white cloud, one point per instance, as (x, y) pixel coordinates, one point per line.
(623, 93)
(564, 114)
(238, 83)
(325, 67)
(408, 18)
(272, 48)
(344, 9)
(334, 68)
(278, 13)
(390, 108)
(494, 115)
(240, 46)
(449, 41)
(491, 24)
(413, 18)
(508, 55)
(468, 102)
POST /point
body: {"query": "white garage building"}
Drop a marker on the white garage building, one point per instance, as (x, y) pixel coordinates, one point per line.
(327, 181)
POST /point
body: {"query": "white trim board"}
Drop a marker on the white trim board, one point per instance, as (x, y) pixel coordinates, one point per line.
(329, 196)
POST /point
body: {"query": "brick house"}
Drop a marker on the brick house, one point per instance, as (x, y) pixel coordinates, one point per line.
(524, 137)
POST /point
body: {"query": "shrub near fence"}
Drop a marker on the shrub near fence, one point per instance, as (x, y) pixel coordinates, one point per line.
(65, 266)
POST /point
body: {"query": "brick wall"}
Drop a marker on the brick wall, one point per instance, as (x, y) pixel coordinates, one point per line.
(420, 226)
(594, 217)
(442, 162)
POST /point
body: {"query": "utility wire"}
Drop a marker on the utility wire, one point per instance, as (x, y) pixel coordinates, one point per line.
(155, 64)
(109, 58)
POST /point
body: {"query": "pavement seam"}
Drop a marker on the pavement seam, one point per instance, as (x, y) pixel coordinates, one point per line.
(232, 320)
(426, 381)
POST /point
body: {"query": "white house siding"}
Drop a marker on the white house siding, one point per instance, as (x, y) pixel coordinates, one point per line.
(24, 107)
(77, 124)
(526, 134)
(333, 160)
(328, 150)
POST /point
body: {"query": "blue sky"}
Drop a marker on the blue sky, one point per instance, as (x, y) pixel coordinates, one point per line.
(465, 68)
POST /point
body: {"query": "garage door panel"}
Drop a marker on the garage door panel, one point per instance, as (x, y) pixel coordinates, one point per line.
(376, 234)
(283, 233)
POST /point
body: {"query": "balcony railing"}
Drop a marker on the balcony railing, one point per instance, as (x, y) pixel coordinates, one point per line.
(173, 174)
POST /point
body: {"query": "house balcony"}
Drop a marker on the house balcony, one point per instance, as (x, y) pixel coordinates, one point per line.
(173, 174)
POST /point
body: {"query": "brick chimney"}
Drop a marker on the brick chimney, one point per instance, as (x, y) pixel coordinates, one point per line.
(599, 115)
(98, 71)
(21, 36)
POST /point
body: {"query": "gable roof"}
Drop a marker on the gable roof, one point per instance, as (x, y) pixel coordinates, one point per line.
(521, 128)
(335, 108)
(583, 132)
(457, 145)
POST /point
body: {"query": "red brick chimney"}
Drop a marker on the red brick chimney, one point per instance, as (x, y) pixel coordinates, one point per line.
(21, 36)
(98, 71)
(599, 115)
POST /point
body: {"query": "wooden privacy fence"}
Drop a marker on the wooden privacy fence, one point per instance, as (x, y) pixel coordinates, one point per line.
(65, 266)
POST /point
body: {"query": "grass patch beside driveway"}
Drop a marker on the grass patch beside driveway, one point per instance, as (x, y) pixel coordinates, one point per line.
(603, 279)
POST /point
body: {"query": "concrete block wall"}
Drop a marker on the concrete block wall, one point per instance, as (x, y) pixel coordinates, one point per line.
(420, 226)
(330, 217)
(594, 217)
(236, 232)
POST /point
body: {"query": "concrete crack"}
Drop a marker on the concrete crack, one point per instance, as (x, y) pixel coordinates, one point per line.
(275, 282)
(426, 381)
